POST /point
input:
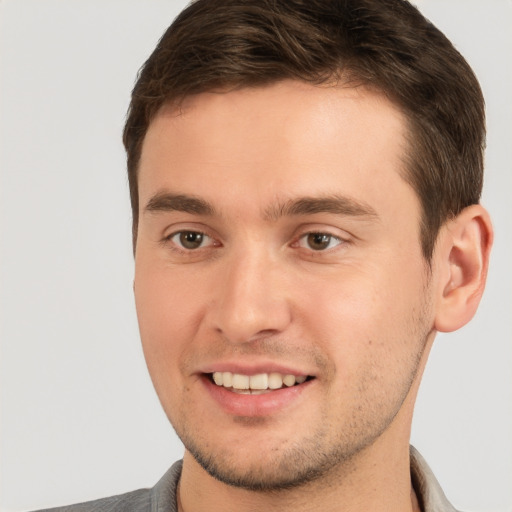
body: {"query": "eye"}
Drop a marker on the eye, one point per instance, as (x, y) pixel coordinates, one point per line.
(191, 240)
(319, 241)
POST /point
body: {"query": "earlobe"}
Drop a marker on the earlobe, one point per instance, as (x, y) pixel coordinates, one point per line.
(462, 259)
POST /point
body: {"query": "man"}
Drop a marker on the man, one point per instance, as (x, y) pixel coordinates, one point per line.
(305, 181)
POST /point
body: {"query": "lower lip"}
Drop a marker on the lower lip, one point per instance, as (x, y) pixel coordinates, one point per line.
(255, 405)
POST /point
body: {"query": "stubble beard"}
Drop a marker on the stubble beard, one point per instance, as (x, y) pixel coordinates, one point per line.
(292, 468)
(320, 457)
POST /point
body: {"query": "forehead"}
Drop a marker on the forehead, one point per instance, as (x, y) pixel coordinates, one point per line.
(279, 140)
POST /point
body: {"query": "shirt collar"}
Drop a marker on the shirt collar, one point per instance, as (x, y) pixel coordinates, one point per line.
(428, 491)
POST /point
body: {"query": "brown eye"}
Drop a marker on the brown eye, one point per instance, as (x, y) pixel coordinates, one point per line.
(319, 241)
(190, 239)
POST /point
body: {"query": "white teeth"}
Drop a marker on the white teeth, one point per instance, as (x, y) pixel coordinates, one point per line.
(227, 379)
(275, 381)
(289, 380)
(256, 384)
(259, 381)
(240, 381)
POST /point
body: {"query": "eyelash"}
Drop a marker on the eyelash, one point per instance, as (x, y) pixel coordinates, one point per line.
(178, 245)
(324, 234)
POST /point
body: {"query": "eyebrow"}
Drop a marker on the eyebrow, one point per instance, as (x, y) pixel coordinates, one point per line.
(167, 202)
(336, 204)
(339, 205)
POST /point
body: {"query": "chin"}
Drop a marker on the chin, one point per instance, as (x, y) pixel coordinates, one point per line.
(273, 475)
(278, 467)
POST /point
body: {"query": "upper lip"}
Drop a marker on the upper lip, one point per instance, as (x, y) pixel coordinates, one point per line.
(253, 368)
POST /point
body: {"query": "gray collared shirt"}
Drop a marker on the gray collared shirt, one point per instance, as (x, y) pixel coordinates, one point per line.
(162, 497)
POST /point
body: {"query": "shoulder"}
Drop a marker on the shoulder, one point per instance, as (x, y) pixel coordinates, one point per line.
(134, 501)
(160, 497)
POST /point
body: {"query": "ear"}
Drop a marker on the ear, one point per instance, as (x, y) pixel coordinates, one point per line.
(462, 259)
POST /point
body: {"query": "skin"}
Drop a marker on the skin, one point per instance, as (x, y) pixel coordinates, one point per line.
(358, 315)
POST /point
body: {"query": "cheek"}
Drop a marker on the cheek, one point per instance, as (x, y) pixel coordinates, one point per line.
(366, 313)
(168, 311)
(371, 336)
(168, 304)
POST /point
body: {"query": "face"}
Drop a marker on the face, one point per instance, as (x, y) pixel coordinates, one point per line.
(282, 297)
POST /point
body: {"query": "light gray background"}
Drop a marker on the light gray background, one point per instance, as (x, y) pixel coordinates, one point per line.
(79, 417)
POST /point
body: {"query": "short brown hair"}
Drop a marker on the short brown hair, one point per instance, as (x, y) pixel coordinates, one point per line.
(384, 44)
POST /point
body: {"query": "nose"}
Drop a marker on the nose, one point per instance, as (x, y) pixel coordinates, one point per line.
(252, 300)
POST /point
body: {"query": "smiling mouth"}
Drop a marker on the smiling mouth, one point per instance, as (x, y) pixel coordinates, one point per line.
(256, 384)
